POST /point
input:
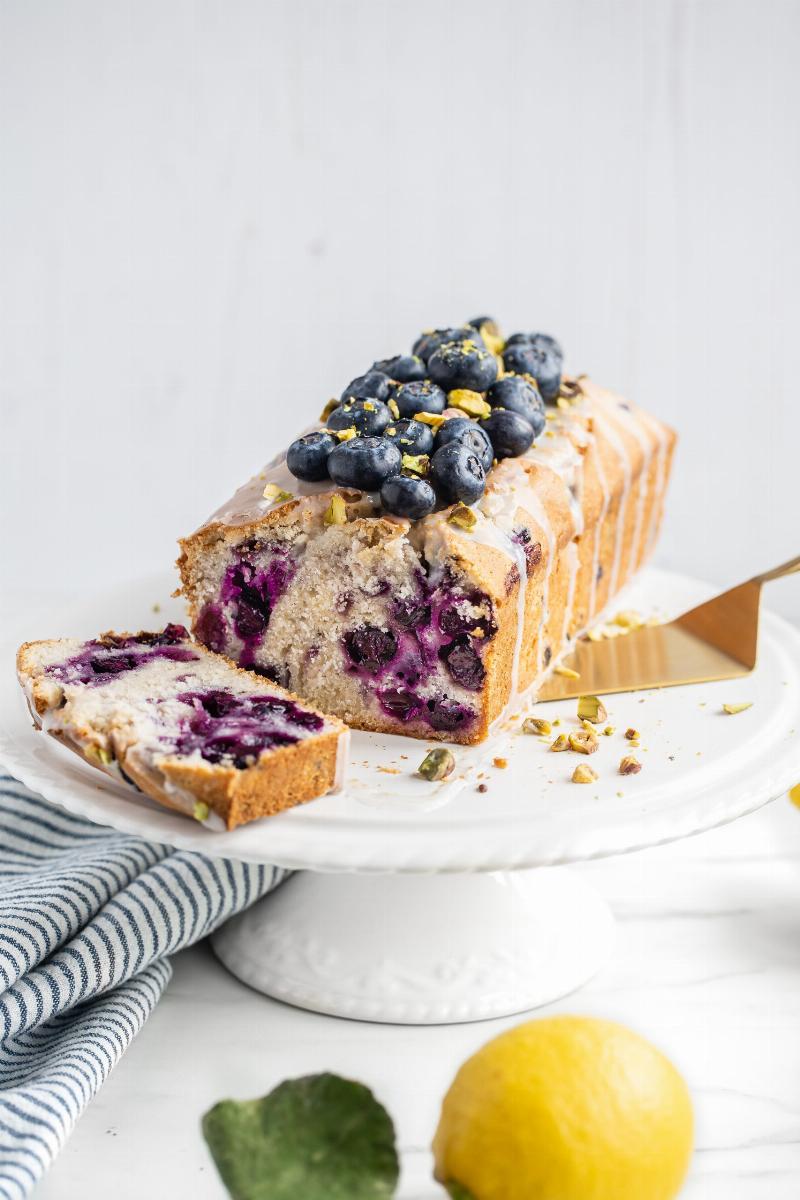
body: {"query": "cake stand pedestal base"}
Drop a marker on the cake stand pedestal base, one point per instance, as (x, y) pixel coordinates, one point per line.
(421, 949)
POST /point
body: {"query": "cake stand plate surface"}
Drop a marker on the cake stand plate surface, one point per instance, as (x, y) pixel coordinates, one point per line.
(456, 945)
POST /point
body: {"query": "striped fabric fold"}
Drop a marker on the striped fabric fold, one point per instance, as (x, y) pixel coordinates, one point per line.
(88, 920)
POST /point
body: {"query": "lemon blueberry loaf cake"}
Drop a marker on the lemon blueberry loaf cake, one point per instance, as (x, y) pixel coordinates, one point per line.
(181, 724)
(427, 552)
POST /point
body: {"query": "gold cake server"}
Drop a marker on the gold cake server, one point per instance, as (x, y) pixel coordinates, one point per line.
(716, 640)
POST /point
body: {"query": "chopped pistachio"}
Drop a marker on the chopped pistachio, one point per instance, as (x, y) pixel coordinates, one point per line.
(561, 743)
(629, 765)
(583, 773)
(629, 620)
(200, 810)
(275, 494)
(733, 709)
(369, 406)
(437, 764)
(328, 409)
(435, 420)
(609, 730)
(632, 735)
(493, 341)
(393, 409)
(336, 512)
(536, 725)
(472, 403)
(590, 708)
(563, 403)
(102, 755)
(416, 463)
(463, 517)
(344, 435)
(583, 742)
(567, 672)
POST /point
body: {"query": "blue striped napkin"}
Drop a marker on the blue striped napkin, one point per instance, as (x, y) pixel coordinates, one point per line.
(88, 919)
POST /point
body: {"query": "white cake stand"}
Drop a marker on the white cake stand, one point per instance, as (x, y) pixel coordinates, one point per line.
(429, 903)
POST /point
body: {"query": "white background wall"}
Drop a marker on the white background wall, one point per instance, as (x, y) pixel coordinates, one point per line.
(212, 215)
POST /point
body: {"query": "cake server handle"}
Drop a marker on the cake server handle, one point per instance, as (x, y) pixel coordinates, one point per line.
(787, 568)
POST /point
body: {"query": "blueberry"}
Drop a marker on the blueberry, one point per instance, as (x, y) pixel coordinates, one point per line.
(543, 340)
(365, 463)
(457, 474)
(488, 322)
(400, 703)
(411, 437)
(427, 343)
(530, 358)
(370, 647)
(375, 385)
(403, 368)
(464, 664)
(463, 365)
(419, 396)
(448, 715)
(369, 417)
(467, 433)
(406, 496)
(511, 435)
(520, 395)
(411, 612)
(307, 458)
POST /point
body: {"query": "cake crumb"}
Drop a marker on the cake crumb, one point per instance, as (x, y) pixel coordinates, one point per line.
(502, 763)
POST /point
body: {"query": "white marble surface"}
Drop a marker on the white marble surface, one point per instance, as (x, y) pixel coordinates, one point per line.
(707, 964)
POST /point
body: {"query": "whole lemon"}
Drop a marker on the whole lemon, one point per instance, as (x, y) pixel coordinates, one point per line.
(565, 1108)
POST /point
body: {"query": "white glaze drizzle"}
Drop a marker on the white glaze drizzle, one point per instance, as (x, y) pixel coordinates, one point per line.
(632, 423)
(342, 761)
(612, 437)
(559, 453)
(662, 438)
(598, 532)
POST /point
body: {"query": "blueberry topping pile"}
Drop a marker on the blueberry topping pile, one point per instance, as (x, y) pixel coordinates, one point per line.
(424, 429)
(235, 730)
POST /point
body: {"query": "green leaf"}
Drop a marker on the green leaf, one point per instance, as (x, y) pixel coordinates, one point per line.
(457, 1192)
(319, 1138)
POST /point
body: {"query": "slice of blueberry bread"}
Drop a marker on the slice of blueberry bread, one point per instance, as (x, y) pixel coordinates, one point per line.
(427, 552)
(183, 725)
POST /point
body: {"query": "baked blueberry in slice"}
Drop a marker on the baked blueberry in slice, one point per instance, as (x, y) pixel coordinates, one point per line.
(368, 417)
(365, 463)
(412, 437)
(419, 396)
(457, 474)
(411, 612)
(370, 647)
(464, 664)
(307, 458)
(403, 368)
(407, 496)
(429, 342)
(447, 715)
(519, 394)
(400, 703)
(467, 433)
(510, 434)
(463, 365)
(537, 360)
(375, 385)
